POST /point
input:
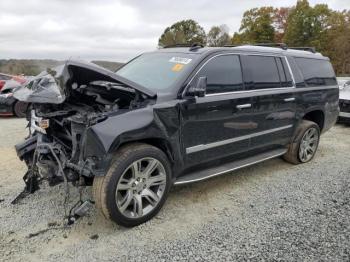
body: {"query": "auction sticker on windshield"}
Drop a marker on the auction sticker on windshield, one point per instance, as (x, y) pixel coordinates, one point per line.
(177, 67)
(180, 60)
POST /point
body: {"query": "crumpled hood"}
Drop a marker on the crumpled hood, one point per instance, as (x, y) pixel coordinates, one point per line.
(51, 85)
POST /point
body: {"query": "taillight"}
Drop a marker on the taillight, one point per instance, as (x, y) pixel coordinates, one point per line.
(2, 83)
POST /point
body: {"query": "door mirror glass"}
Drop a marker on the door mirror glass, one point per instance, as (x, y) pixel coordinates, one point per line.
(200, 88)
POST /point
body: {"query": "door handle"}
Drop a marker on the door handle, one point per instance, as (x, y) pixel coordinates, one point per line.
(290, 99)
(244, 106)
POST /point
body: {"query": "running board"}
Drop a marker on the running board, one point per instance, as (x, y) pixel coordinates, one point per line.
(228, 167)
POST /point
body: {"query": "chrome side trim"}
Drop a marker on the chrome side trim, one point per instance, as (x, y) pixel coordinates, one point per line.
(230, 170)
(197, 148)
(290, 99)
(251, 91)
(273, 91)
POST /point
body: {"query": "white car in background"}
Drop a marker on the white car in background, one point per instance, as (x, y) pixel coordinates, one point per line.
(344, 99)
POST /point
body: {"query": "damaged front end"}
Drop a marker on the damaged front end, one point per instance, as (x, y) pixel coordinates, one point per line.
(65, 104)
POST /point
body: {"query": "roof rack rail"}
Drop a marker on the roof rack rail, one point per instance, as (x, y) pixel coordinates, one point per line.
(285, 47)
(280, 45)
(192, 47)
(196, 46)
(310, 49)
(177, 45)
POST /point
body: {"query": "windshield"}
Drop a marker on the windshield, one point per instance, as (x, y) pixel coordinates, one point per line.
(157, 71)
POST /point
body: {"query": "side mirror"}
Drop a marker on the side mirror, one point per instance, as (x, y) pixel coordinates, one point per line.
(200, 88)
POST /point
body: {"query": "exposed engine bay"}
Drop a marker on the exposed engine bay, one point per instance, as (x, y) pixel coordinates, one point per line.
(65, 102)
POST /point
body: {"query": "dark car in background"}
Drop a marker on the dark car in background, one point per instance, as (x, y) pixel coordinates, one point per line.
(8, 104)
(171, 117)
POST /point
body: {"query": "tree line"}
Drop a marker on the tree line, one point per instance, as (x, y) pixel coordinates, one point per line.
(301, 25)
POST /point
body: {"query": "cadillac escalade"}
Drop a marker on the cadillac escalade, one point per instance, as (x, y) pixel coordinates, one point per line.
(170, 117)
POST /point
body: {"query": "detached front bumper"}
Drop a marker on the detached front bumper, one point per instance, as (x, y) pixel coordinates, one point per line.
(6, 104)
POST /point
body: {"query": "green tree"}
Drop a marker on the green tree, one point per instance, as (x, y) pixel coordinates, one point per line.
(183, 32)
(218, 36)
(337, 41)
(306, 25)
(280, 22)
(238, 39)
(257, 25)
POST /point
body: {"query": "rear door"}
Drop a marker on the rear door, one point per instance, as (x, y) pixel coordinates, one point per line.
(215, 126)
(274, 101)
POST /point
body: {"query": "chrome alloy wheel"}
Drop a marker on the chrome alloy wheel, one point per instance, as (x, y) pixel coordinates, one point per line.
(308, 145)
(141, 187)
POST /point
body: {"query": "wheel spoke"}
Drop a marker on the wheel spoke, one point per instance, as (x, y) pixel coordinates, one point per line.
(151, 197)
(304, 155)
(138, 209)
(136, 168)
(124, 180)
(310, 149)
(313, 140)
(122, 187)
(152, 165)
(125, 202)
(157, 180)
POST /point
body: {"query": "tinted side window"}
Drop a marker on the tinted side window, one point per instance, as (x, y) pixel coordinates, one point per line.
(316, 72)
(223, 74)
(264, 71)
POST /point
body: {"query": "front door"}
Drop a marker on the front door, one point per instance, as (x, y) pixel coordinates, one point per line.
(215, 126)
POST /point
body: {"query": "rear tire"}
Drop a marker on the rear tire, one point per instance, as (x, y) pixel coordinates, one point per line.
(305, 143)
(135, 186)
(20, 109)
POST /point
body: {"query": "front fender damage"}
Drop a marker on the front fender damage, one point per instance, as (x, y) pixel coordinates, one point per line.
(66, 103)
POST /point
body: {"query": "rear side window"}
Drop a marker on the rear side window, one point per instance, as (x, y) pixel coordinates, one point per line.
(316, 72)
(223, 74)
(264, 72)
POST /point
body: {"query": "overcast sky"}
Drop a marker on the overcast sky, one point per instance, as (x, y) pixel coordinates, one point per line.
(114, 30)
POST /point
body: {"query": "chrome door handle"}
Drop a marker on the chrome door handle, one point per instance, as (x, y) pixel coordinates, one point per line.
(291, 99)
(244, 106)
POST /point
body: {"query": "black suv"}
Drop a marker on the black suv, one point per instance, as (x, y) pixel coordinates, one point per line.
(173, 116)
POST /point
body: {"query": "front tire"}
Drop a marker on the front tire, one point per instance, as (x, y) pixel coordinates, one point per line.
(305, 144)
(20, 109)
(136, 185)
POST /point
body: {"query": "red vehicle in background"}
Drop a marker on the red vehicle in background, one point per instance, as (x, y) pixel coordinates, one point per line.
(8, 104)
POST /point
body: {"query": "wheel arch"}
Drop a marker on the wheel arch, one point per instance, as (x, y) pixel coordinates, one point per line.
(317, 116)
(159, 143)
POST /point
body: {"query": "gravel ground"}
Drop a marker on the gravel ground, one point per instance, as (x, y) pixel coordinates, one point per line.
(270, 211)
